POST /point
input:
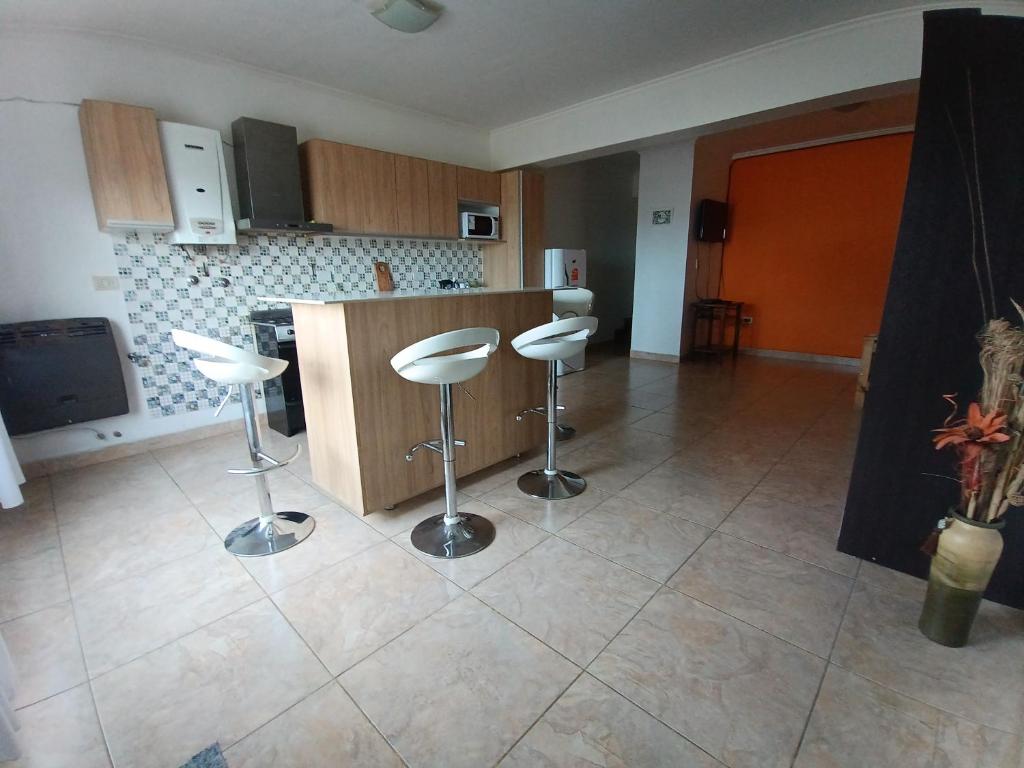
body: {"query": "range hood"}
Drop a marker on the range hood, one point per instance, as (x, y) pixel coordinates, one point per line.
(269, 186)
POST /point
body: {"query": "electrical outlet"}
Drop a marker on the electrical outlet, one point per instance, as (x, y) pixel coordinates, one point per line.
(748, 320)
(105, 283)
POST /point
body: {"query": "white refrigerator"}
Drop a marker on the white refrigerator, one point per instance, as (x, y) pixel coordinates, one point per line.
(566, 267)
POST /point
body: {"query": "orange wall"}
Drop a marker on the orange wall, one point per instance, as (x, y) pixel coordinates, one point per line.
(811, 239)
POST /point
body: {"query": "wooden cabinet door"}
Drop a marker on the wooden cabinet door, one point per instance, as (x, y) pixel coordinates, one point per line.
(371, 174)
(444, 199)
(126, 166)
(352, 188)
(532, 201)
(479, 186)
(327, 196)
(412, 188)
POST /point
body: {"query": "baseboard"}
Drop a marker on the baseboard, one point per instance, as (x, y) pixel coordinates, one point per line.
(805, 357)
(44, 467)
(657, 356)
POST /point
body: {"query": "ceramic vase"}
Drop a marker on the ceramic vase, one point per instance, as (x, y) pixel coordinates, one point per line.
(967, 553)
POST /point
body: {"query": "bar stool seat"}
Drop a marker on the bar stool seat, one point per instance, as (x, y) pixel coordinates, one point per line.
(272, 531)
(434, 360)
(570, 302)
(553, 342)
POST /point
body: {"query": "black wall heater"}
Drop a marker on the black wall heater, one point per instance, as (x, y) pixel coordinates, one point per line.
(58, 372)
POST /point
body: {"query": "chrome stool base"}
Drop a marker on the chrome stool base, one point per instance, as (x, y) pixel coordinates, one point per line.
(565, 432)
(561, 485)
(467, 537)
(254, 539)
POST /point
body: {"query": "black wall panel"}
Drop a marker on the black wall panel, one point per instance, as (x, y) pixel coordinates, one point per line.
(963, 209)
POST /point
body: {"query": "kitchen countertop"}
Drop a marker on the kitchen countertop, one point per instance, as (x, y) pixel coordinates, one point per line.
(401, 293)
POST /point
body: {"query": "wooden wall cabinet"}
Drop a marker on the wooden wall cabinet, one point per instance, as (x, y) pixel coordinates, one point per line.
(412, 185)
(479, 186)
(126, 167)
(519, 260)
(351, 187)
(444, 199)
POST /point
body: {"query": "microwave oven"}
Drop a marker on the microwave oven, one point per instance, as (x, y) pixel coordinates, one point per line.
(478, 226)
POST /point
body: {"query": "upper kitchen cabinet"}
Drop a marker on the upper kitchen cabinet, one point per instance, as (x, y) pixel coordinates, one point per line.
(428, 204)
(444, 199)
(479, 186)
(412, 188)
(351, 187)
(126, 167)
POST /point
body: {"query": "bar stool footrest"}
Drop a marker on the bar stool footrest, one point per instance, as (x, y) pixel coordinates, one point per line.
(274, 464)
(466, 537)
(561, 485)
(254, 539)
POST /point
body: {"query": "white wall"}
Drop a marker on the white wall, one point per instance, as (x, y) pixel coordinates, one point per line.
(864, 53)
(49, 244)
(658, 303)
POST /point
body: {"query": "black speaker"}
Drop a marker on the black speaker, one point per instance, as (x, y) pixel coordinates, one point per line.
(710, 221)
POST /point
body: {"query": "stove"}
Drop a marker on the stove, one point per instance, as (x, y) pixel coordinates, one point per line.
(275, 337)
(279, 319)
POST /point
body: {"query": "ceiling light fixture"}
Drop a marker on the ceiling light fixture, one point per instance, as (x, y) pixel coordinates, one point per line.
(407, 15)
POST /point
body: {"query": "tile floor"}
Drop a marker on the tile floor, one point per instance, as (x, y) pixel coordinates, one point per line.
(689, 609)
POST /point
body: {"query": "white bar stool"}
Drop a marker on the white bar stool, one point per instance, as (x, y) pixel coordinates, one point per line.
(570, 302)
(553, 342)
(272, 531)
(450, 534)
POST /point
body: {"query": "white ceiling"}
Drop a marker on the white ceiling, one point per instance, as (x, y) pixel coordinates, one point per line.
(485, 62)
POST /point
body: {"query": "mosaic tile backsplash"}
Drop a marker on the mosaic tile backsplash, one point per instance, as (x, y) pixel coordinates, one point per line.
(154, 281)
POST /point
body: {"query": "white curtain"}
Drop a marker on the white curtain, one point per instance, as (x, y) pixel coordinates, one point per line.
(8, 723)
(10, 471)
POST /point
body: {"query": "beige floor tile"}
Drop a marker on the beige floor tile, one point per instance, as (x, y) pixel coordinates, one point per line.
(60, 732)
(738, 693)
(642, 539)
(486, 480)
(880, 577)
(217, 684)
(857, 723)
(983, 682)
(592, 725)
(549, 515)
(133, 616)
(799, 484)
(963, 743)
(30, 583)
(28, 530)
(512, 537)
(465, 665)
(699, 498)
(45, 651)
(338, 535)
(407, 514)
(108, 495)
(200, 467)
(571, 599)
(791, 599)
(682, 425)
(604, 468)
(325, 729)
(98, 555)
(351, 609)
(806, 533)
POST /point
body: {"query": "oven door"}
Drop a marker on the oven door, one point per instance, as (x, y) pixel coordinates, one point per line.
(479, 226)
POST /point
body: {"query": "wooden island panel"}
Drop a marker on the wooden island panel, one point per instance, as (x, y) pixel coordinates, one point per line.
(362, 417)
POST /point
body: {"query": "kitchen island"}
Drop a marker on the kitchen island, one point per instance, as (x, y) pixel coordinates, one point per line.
(362, 417)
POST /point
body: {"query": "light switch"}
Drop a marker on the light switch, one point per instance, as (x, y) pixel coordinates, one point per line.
(105, 283)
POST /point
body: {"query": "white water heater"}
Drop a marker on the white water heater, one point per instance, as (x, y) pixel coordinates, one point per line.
(198, 182)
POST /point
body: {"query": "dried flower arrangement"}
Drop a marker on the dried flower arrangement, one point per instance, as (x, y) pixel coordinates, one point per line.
(990, 439)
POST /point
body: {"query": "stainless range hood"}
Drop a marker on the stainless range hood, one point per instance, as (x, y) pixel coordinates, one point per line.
(269, 185)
